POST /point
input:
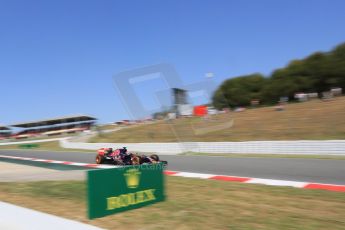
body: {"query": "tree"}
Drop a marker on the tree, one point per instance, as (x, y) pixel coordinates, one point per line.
(239, 91)
(319, 72)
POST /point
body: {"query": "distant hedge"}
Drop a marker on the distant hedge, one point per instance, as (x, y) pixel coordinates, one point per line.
(318, 72)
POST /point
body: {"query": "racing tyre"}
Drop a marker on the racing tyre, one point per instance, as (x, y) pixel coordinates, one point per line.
(154, 157)
(99, 159)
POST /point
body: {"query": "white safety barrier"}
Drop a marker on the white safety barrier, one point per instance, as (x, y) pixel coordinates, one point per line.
(15, 217)
(330, 147)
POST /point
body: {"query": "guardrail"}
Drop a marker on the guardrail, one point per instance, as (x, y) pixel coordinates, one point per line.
(329, 147)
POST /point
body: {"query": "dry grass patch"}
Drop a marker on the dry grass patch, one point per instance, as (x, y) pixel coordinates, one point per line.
(314, 120)
(194, 204)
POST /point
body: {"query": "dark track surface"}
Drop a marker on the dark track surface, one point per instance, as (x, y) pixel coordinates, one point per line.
(306, 170)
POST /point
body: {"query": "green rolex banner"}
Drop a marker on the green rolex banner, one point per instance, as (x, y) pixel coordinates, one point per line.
(120, 189)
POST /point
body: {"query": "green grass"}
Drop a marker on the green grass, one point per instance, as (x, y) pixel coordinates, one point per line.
(194, 204)
(44, 146)
(41, 137)
(314, 120)
(75, 190)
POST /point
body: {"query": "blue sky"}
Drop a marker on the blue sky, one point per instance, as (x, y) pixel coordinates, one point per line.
(59, 57)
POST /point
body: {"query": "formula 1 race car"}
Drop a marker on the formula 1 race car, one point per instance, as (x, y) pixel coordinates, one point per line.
(122, 157)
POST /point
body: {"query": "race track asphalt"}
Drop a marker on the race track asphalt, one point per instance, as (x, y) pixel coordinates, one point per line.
(306, 170)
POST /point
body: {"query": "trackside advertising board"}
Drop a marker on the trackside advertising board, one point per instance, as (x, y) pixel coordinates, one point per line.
(120, 189)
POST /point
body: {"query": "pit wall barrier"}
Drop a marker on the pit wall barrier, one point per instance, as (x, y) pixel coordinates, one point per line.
(329, 147)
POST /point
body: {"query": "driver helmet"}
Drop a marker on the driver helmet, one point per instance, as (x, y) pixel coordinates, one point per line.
(109, 150)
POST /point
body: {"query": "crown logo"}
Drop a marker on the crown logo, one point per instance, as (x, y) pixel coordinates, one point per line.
(132, 178)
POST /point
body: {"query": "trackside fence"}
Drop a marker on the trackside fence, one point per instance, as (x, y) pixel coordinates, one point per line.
(329, 147)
